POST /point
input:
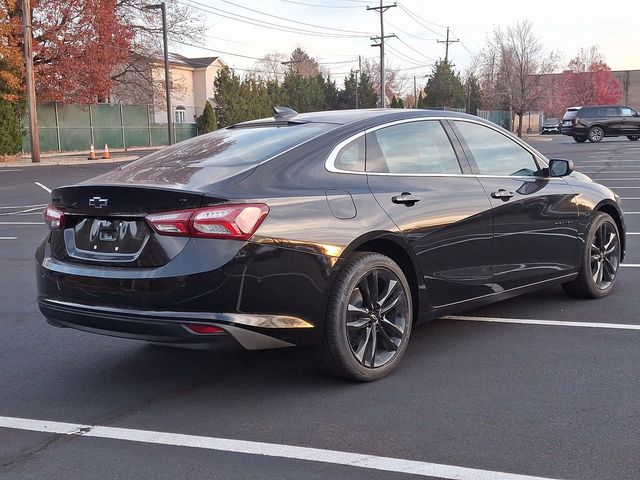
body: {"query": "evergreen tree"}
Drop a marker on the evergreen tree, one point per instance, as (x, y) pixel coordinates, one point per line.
(473, 95)
(347, 96)
(207, 122)
(11, 113)
(367, 97)
(444, 88)
(330, 94)
(303, 94)
(394, 102)
(421, 103)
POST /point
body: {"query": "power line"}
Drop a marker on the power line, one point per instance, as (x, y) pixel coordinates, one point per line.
(294, 21)
(415, 17)
(423, 19)
(262, 23)
(417, 51)
(409, 34)
(321, 6)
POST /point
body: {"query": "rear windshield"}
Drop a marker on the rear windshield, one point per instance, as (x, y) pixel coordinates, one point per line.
(236, 147)
(569, 114)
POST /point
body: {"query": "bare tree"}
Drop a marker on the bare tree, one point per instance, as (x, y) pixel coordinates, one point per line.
(270, 67)
(396, 83)
(514, 64)
(132, 80)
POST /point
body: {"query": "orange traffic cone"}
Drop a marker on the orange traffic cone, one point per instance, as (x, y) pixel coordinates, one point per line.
(92, 153)
(105, 154)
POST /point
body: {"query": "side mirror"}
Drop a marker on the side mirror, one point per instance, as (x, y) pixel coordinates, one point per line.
(559, 167)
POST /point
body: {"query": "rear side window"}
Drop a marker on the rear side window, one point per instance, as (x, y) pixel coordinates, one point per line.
(611, 111)
(232, 147)
(411, 148)
(495, 153)
(569, 114)
(351, 156)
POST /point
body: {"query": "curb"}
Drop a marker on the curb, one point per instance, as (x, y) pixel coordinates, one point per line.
(61, 161)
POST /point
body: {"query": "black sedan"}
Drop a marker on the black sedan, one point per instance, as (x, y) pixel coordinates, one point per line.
(337, 230)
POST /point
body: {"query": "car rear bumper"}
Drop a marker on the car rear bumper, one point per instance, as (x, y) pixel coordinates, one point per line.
(574, 131)
(263, 296)
(239, 331)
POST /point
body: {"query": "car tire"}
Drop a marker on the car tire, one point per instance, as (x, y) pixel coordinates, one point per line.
(633, 138)
(596, 134)
(600, 260)
(579, 139)
(369, 319)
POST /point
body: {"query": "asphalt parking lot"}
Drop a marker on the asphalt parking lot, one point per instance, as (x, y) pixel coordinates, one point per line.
(484, 396)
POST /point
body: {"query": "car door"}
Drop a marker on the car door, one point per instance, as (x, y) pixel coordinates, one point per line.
(535, 217)
(631, 121)
(416, 176)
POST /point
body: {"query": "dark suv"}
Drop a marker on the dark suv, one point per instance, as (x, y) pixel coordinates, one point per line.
(595, 123)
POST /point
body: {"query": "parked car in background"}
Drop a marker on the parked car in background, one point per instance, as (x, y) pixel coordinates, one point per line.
(551, 125)
(596, 122)
(338, 230)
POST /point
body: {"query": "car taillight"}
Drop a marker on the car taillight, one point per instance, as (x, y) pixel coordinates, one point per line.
(53, 217)
(231, 221)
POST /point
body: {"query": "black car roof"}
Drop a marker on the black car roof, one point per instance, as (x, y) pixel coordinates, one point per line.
(343, 117)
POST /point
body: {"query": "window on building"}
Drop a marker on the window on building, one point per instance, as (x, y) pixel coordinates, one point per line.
(180, 114)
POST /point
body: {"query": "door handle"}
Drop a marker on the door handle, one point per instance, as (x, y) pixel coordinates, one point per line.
(407, 198)
(503, 194)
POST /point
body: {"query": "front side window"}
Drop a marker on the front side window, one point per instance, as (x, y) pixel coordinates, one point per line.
(627, 112)
(411, 148)
(495, 153)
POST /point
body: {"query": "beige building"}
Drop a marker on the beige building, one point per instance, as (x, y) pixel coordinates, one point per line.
(191, 84)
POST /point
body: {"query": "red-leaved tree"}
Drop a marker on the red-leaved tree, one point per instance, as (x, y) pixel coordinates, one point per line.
(77, 44)
(587, 81)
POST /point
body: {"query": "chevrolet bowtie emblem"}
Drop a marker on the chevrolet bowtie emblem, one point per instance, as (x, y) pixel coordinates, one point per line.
(98, 202)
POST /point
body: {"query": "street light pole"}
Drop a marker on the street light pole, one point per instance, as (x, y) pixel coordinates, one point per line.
(31, 91)
(167, 86)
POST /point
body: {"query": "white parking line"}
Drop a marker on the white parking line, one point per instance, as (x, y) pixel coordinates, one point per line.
(8, 238)
(633, 265)
(21, 223)
(10, 170)
(357, 460)
(25, 206)
(43, 187)
(555, 323)
(618, 179)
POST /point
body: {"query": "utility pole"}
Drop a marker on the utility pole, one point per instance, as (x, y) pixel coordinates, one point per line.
(31, 90)
(382, 8)
(415, 93)
(167, 83)
(357, 72)
(447, 42)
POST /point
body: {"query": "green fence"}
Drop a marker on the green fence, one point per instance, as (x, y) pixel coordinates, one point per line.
(499, 117)
(76, 127)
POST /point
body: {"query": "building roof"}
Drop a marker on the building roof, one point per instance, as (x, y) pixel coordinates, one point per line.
(182, 61)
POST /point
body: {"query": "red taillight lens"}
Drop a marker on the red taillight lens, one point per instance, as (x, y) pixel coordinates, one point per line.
(53, 217)
(171, 223)
(203, 329)
(232, 221)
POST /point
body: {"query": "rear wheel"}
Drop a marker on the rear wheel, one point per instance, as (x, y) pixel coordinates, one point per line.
(580, 139)
(369, 319)
(596, 134)
(600, 260)
(633, 138)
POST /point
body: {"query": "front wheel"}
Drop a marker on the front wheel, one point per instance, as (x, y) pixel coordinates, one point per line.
(579, 139)
(600, 260)
(369, 319)
(633, 138)
(596, 134)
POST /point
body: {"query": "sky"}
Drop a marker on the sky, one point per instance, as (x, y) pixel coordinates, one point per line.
(343, 27)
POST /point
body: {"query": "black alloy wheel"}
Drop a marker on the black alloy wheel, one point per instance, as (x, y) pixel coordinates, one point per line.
(579, 139)
(596, 134)
(369, 319)
(633, 138)
(600, 262)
